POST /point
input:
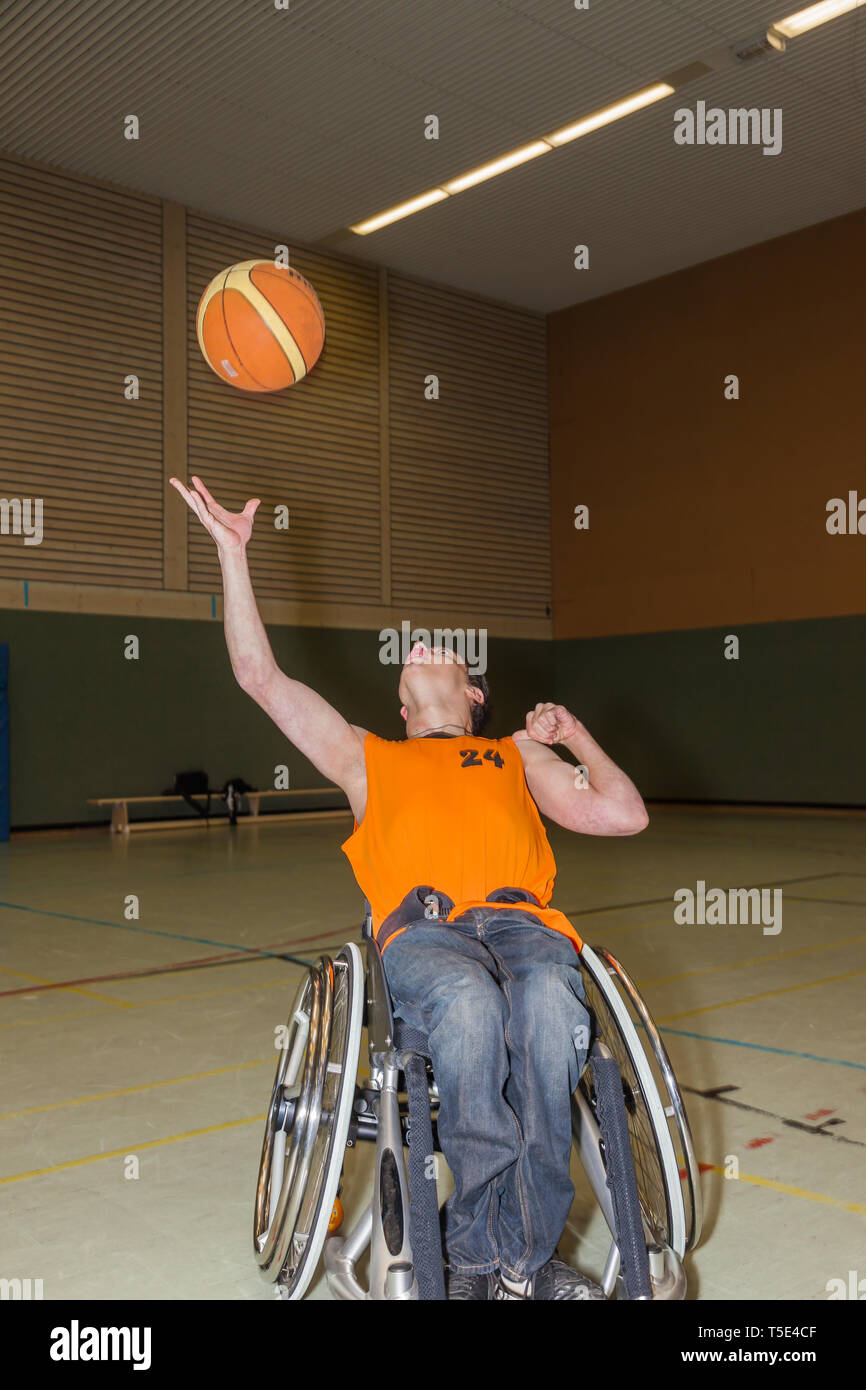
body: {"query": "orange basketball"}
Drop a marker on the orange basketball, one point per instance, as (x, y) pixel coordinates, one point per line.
(260, 326)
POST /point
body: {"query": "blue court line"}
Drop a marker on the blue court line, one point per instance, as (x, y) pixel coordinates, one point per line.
(761, 1047)
(154, 931)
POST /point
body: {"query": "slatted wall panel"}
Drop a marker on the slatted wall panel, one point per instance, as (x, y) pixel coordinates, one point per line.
(80, 279)
(313, 447)
(469, 474)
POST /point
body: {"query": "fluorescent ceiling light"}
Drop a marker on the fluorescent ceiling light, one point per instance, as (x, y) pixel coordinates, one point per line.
(402, 210)
(498, 166)
(810, 18)
(518, 156)
(610, 113)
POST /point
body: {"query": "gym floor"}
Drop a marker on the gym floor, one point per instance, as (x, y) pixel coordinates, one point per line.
(139, 1052)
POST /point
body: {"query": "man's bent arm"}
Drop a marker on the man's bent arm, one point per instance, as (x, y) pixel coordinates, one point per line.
(601, 801)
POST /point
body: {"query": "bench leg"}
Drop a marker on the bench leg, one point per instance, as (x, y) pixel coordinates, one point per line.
(254, 801)
(120, 818)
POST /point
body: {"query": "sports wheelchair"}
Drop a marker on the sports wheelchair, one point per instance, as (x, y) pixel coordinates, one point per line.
(628, 1121)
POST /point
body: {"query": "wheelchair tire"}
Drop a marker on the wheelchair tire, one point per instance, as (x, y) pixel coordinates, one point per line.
(308, 1122)
(655, 1160)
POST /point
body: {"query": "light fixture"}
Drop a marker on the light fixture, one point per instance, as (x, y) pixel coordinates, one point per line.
(498, 166)
(402, 210)
(810, 18)
(610, 113)
(515, 157)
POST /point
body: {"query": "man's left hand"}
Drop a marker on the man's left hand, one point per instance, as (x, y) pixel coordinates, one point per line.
(549, 723)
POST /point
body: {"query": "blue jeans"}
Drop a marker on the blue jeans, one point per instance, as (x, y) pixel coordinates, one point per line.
(502, 1002)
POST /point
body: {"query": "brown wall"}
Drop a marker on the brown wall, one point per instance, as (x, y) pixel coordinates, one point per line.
(705, 511)
(389, 490)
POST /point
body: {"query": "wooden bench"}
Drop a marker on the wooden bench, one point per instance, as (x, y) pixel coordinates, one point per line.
(121, 823)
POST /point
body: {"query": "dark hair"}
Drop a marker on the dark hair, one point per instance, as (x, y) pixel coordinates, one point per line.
(480, 714)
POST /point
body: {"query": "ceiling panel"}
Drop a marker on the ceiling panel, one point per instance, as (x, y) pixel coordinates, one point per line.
(305, 120)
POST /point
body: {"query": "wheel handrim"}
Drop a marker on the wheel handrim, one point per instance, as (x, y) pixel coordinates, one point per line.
(678, 1123)
(648, 1162)
(301, 1070)
(290, 1227)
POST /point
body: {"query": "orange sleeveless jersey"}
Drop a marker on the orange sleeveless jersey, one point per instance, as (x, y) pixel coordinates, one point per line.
(455, 813)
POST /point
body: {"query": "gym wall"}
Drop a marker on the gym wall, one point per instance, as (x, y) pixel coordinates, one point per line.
(402, 507)
(707, 518)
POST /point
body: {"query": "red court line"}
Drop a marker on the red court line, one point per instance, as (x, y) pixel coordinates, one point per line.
(162, 969)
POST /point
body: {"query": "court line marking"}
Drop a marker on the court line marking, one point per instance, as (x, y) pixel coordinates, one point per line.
(669, 922)
(196, 963)
(145, 931)
(42, 984)
(146, 1003)
(754, 960)
(765, 1047)
(131, 1149)
(263, 1061)
(766, 994)
(722, 1096)
(132, 1090)
(651, 902)
(789, 1189)
(844, 902)
(147, 1086)
(203, 962)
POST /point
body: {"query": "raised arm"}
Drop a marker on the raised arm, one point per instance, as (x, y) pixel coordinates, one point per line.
(605, 803)
(333, 746)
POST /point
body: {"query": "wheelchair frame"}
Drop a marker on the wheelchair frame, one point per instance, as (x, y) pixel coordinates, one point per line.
(318, 1111)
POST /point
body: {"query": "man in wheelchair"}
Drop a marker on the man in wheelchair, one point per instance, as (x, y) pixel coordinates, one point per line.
(450, 851)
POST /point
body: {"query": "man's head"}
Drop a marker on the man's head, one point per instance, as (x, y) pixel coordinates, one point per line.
(437, 689)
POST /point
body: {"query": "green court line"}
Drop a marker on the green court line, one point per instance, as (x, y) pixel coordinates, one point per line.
(154, 931)
(762, 1047)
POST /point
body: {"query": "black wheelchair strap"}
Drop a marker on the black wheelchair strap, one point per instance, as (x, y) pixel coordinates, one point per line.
(621, 1179)
(425, 1235)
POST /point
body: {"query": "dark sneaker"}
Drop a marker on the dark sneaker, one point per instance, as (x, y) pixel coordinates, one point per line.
(558, 1281)
(463, 1284)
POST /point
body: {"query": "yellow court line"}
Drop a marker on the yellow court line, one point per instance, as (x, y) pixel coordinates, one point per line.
(147, 1003)
(70, 989)
(753, 960)
(131, 1149)
(149, 1086)
(767, 994)
(789, 1189)
(132, 1090)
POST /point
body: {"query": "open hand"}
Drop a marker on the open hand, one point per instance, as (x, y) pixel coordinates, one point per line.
(230, 530)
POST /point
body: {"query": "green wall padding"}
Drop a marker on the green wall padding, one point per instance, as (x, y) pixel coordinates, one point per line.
(783, 724)
(86, 722)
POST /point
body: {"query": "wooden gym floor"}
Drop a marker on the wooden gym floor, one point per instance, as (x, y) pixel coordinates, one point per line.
(155, 1054)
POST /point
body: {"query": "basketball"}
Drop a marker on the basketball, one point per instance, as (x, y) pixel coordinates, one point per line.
(260, 326)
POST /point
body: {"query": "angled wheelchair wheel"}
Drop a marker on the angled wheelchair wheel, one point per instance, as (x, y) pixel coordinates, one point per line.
(661, 1143)
(308, 1122)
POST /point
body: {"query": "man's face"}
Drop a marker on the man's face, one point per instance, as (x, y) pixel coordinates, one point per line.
(433, 674)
